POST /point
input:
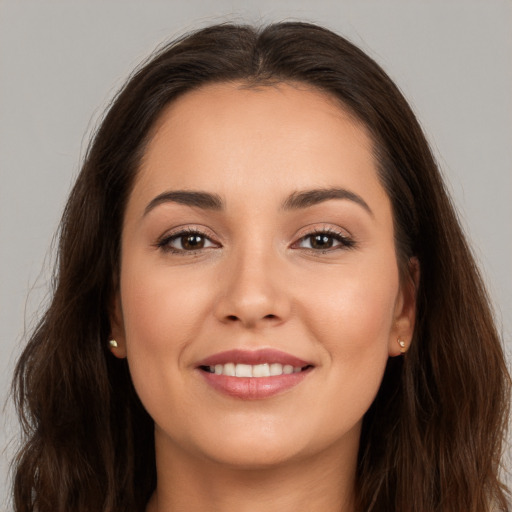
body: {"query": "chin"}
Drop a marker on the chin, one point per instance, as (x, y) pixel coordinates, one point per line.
(269, 446)
(252, 456)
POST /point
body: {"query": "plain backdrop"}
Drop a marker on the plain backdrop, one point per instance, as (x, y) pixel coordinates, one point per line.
(61, 61)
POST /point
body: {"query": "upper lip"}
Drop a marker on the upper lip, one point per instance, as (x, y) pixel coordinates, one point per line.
(253, 357)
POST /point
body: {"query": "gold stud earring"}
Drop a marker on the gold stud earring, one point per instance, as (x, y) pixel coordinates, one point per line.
(112, 343)
(402, 345)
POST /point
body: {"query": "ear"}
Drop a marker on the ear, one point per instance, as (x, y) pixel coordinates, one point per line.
(405, 311)
(117, 328)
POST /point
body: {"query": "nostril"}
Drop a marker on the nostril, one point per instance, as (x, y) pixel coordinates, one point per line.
(234, 318)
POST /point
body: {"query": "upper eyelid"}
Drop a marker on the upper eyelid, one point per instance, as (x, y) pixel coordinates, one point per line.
(304, 232)
(329, 229)
(334, 234)
(184, 230)
(207, 232)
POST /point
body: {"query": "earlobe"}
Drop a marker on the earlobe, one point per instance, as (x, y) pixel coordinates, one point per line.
(405, 311)
(117, 341)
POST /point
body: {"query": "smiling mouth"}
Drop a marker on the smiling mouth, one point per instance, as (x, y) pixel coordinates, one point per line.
(253, 374)
(254, 371)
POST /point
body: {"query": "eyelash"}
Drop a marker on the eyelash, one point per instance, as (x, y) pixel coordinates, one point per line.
(164, 243)
(345, 242)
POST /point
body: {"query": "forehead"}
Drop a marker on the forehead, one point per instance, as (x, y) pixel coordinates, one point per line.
(227, 137)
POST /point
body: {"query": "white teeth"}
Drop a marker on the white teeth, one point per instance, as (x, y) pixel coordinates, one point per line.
(261, 370)
(229, 369)
(276, 369)
(243, 370)
(258, 370)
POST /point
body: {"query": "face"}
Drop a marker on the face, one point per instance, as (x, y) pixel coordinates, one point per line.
(259, 294)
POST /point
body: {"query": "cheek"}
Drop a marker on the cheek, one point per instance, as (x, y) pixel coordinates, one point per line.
(162, 312)
(354, 321)
(161, 309)
(353, 308)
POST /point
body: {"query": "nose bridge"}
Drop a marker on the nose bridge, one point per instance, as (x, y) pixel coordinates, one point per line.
(253, 291)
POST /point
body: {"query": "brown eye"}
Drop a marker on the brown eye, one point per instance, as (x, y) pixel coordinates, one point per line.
(192, 242)
(186, 241)
(321, 241)
(325, 241)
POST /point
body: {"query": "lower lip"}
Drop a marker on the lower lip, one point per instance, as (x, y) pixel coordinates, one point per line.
(254, 388)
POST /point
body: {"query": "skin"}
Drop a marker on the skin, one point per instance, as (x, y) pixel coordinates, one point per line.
(258, 283)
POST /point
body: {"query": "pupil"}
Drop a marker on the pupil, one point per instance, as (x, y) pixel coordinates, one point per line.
(193, 242)
(322, 242)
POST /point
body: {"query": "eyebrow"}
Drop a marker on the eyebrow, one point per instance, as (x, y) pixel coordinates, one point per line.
(307, 198)
(203, 200)
(295, 201)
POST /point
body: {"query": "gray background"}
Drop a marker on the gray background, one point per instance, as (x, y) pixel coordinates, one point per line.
(60, 62)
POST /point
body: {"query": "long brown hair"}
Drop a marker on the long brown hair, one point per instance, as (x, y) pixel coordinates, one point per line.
(432, 439)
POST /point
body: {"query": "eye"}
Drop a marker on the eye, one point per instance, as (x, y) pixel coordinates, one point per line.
(325, 240)
(186, 241)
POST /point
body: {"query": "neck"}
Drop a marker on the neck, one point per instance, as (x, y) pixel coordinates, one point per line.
(325, 481)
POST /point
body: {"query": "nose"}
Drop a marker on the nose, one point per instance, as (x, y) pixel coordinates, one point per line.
(253, 291)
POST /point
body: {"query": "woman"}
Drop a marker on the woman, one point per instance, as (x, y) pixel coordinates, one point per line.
(263, 299)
